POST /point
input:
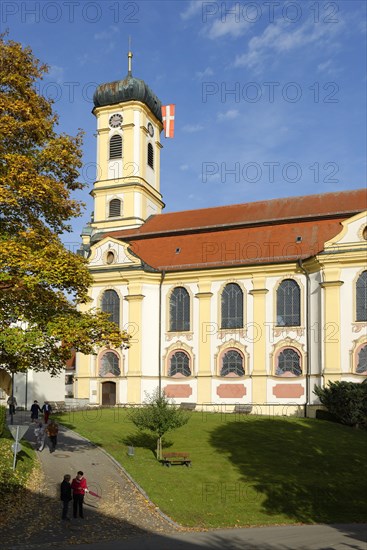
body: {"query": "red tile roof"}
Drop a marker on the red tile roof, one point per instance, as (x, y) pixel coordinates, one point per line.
(273, 231)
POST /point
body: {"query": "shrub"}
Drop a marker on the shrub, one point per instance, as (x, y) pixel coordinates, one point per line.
(2, 419)
(347, 401)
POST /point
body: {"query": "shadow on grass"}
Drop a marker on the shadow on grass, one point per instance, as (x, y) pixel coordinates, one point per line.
(145, 441)
(310, 471)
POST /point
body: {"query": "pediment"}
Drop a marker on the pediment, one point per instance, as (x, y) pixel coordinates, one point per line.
(110, 252)
(353, 234)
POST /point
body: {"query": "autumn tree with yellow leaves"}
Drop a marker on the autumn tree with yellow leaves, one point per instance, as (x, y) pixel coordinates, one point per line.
(43, 286)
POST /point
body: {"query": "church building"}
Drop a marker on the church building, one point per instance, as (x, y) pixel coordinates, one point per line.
(249, 304)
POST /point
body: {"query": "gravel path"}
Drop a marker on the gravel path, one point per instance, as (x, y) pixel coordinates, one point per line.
(122, 512)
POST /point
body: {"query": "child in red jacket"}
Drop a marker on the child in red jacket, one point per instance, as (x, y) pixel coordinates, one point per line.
(79, 488)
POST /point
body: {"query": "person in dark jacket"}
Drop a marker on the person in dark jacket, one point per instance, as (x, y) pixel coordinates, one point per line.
(65, 496)
(35, 409)
(12, 402)
(47, 410)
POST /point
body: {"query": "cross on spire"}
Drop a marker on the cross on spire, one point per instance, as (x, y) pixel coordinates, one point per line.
(130, 57)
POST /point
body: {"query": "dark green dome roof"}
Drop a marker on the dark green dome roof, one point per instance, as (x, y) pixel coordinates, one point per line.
(128, 89)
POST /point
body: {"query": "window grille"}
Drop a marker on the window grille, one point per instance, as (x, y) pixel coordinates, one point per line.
(116, 147)
(150, 155)
(232, 306)
(288, 361)
(232, 363)
(110, 365)
(179, 310)
(179, 364)
(288, 304)
(114, 208)
(362, 361)
(111, 305)
(361, 297)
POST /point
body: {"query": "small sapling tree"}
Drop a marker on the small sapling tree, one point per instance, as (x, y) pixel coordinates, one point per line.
(158, 415)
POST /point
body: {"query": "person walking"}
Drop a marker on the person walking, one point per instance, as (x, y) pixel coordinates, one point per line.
(35, 409)
(47, 410)
(40, 434)
(12, 402)
(52, 431)
(65, 496)
(79, 487)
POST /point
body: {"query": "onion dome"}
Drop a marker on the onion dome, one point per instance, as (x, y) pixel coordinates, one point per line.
(128, 89)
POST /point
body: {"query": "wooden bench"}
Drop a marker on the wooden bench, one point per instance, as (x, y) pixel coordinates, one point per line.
(187, 406)
(242, 409)
(176, 458)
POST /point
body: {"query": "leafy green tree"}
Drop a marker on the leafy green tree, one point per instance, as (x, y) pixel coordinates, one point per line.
(158, 416)
(44, 310)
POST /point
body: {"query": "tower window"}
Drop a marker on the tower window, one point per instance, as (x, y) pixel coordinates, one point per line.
(116, 147)
(150, 155)
(114, 210)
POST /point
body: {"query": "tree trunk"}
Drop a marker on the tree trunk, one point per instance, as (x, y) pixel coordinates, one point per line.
(159, 448)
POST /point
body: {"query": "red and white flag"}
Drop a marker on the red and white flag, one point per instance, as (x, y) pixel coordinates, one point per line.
(168, 114)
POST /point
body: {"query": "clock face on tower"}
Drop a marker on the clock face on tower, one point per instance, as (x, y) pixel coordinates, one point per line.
(115, 120)
(150, 129)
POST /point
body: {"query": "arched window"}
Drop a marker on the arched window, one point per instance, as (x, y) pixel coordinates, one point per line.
(179, 310)
(150, 155)
(114, 208)
(289, 363)
(232, 364)
(110, 365)
(232, 306)
(361, 297)
(116, 147)
(179, 364)
(111, 305)
(362, 361)
(288, 304)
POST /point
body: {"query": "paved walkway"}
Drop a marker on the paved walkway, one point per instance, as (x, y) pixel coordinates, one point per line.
(125, 519)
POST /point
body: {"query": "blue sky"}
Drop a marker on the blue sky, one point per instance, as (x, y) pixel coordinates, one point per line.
(270, 95)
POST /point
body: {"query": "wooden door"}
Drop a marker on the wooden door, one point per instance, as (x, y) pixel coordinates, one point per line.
(109, 394)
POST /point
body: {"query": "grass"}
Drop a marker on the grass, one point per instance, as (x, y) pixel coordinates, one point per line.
(246, 470)
(13, 482)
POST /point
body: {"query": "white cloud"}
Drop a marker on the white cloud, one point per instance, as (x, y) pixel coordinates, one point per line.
(328, 68)
(206, 72)
(230, 26)
(192, 128)
(56, 74)
(106, 34)
(231, 114)
(184, 167)
(283, 38)
(192, 9)
(322, 67)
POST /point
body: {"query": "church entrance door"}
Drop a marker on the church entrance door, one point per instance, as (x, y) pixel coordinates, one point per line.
(109, 393)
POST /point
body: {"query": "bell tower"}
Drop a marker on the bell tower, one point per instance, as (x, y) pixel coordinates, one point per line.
(129, 122)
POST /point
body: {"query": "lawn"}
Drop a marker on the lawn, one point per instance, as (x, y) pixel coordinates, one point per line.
(13, 482)
(246, 470)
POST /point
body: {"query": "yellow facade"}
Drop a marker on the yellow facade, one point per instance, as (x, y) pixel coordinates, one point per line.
(325, 339)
